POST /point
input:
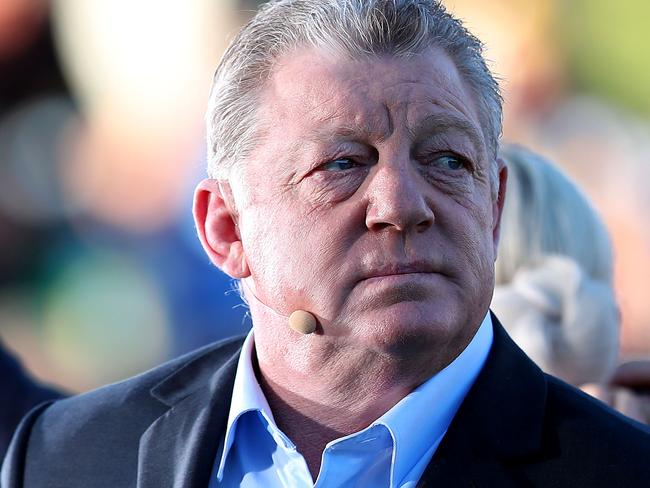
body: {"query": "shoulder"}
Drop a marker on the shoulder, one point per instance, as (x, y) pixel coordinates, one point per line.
(576, 415)
(586, 443)
(121, 399)
(551, 433)
(102, 428)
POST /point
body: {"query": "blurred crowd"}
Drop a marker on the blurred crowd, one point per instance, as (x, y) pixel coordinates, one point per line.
(101, 143)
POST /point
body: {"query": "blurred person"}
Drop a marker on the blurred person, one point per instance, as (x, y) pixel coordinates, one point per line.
(554, 273)
(30, 74)
(554, 284)
(48, 231)
(32, 88)
(355, 191)
(19, 394)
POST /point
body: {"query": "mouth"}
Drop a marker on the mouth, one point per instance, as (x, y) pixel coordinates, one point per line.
(386, 287)
(407, 270)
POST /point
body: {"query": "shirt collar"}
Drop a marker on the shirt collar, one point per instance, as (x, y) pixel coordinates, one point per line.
(246, 396)
(416, 422)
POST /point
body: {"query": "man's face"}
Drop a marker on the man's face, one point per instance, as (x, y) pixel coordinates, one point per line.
(368, 201)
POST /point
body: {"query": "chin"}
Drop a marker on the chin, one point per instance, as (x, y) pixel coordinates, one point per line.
(407, 328)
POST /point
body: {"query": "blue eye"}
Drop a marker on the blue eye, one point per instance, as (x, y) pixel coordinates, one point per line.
(449, 162)
(339, 164)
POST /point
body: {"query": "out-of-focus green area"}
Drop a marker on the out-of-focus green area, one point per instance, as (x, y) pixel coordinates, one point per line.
(101, 144)
(608, 49)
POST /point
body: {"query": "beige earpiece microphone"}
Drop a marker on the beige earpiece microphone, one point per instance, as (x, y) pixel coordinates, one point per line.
(301, 321)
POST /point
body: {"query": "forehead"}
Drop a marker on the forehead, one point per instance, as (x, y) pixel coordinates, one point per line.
(313, 91)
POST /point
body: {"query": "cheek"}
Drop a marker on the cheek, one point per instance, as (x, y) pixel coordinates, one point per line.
(480, 211)
(295, 258)
(270, 248)
(474, 240)
(483, 256)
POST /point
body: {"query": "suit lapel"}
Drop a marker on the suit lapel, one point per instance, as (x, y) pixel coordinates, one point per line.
(499, 422)
(180, 447)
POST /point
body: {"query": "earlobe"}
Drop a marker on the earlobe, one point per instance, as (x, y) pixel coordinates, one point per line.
(216, 224)
(499, 202)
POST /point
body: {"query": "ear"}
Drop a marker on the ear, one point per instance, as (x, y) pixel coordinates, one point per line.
(216, 224)
(499, 202)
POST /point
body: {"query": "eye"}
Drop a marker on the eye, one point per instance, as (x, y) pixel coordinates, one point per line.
(449, 161)
(338, 164)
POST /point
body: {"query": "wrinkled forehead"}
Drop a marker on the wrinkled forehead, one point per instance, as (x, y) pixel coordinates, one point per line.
(315, 93)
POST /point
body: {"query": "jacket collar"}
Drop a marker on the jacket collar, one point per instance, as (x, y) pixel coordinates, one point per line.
(179, 447)
(500, 421)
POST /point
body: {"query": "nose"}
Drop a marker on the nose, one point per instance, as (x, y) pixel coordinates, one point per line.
(397, 200)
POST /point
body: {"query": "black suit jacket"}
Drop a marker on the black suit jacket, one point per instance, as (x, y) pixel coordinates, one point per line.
(19, 393)
(164, 428)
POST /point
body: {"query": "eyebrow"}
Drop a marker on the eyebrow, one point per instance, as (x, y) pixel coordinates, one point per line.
(446, 122)
(434, 123)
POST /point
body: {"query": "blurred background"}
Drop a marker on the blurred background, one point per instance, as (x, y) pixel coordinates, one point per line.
(102, 142)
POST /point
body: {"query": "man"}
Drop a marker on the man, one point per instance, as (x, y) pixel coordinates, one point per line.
(356, 194)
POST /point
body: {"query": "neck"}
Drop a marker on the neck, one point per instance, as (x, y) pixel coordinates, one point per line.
(330, 393)
(314, 416)
(321, 387)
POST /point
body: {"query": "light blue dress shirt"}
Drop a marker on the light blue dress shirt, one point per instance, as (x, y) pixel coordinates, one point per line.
(392, 452)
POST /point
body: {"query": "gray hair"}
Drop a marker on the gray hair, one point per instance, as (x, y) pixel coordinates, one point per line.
(352, 28)
(545, 213)
(554, 291)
